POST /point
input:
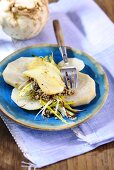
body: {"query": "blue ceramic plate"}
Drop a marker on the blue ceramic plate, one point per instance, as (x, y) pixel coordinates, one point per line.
(25, 117)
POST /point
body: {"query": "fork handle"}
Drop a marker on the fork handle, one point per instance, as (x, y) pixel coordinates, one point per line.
(60, 40)
(58, 33)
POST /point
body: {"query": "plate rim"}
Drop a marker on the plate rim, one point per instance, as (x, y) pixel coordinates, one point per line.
(65, 126)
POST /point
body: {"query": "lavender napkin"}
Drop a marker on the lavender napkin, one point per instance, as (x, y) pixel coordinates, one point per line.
(87, 28)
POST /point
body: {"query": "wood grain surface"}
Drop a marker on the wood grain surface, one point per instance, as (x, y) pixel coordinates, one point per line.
(101, 158)
(108, 7)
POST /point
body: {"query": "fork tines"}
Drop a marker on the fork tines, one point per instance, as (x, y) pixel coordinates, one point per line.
(69, 75)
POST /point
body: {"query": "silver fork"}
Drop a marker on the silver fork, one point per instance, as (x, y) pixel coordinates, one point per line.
(69, 73)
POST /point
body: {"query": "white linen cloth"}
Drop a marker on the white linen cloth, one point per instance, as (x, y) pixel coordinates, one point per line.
(87, 28)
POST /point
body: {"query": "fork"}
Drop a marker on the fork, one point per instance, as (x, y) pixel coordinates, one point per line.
(69, 73)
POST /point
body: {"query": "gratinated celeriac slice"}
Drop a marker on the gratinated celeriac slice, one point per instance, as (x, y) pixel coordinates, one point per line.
(47, 78)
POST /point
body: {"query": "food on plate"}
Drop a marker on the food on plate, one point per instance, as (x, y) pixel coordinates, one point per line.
(46, 75)
(84, 92)
(13, 73)
(25, 102)
(23, 19)
(38, 85)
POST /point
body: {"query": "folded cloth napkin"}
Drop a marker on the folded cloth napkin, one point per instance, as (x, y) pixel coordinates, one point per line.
(87, 28)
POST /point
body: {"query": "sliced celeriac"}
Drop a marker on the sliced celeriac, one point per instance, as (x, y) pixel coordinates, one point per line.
(13, 73)
(77, 63)
(25, 102)
(85, 91)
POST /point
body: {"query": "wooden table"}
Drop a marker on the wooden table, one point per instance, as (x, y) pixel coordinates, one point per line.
(101, 158)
